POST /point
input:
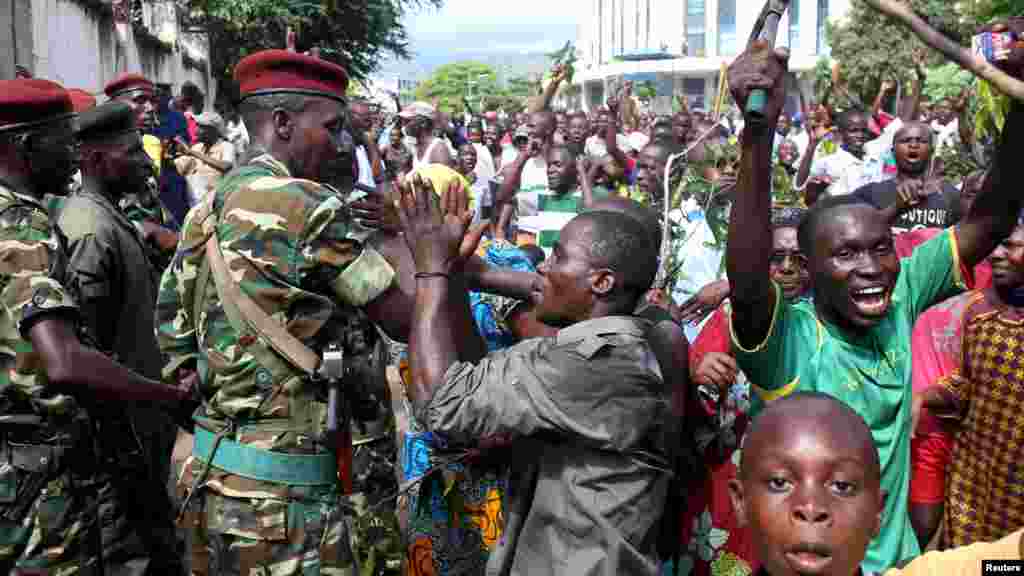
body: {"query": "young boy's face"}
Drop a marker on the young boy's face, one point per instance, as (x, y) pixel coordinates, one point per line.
(809, 493)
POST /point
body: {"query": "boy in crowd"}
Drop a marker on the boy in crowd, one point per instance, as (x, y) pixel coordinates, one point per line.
(809, 489)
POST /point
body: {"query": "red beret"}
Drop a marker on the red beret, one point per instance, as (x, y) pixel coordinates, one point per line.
(81, 100)
(27, 102)
(127, 82)
(272, 71)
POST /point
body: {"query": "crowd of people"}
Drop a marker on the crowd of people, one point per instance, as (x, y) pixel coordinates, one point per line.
(543, 342)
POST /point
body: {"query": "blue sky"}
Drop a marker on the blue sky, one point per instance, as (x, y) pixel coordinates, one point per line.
(463, 27)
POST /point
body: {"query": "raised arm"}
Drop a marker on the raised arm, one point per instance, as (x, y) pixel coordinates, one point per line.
(883, 91)
(543, 102)
(912, 110)
(442, 319)
(750, 229)
(611, 134)
(994, 213)
(513, 175)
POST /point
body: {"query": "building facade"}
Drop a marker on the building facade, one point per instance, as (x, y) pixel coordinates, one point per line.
(78, 44)
(681, 45)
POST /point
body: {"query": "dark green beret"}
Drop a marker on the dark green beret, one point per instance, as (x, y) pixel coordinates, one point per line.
(103, 122)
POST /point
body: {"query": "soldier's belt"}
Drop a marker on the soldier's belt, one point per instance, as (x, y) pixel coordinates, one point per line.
(258, 464)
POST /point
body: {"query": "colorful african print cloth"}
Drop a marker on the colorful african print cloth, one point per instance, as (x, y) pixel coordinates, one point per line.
(985, 490)
(455, 512)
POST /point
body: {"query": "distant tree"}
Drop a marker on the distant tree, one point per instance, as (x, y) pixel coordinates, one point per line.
(356, 35)
(451, 83)
(870, 48)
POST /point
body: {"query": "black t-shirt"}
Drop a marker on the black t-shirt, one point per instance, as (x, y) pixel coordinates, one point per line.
(940, 210)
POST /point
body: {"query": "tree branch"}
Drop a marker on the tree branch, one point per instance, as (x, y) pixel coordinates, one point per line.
(967, 60)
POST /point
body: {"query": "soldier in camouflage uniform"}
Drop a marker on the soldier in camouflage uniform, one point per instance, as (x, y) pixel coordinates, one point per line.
(286, 243)
(60, 511)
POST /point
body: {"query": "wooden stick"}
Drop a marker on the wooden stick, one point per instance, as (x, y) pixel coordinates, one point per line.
(967, 60)
(723, 86)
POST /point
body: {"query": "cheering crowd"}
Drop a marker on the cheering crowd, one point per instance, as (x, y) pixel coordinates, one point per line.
(542, 342)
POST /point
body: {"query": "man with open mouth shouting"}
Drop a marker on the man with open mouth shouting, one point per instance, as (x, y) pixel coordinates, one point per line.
(853, 341)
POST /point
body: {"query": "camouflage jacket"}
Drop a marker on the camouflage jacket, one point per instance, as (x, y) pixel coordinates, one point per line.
(44, 511)
(287, 243)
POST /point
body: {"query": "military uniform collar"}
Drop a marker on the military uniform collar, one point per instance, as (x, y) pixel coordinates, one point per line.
(273, 164)
(602, 326)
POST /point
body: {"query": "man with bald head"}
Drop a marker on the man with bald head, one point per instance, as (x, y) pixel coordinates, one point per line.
(913, 149)
(583, 411)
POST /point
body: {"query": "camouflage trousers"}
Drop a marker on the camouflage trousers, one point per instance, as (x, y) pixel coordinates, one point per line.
(320, 535)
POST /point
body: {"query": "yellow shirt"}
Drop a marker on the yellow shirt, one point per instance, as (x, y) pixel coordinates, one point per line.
(152, 146)
(963, 561)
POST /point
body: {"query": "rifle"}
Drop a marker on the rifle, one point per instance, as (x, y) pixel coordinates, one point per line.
(765, 28)
(339, 416)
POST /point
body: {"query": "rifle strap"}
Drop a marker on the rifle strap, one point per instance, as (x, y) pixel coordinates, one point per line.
(247, 317)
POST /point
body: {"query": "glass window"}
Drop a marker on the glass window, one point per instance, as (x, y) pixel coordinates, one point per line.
(694, 90)
(695, 28)
(794, 25)
(727, 28)
(822, 20)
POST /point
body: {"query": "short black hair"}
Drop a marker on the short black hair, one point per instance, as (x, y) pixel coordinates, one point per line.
(546, 116)
(646, 216)
(843, 121)
(621, 244)
(916, 124)
(254, 106)
(562, 149)
(534, 253)
(810, 222)
(666, 148)
(850, 422)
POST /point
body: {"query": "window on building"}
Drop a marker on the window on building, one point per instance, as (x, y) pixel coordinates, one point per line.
(695, 28)
(727, 28)
(694, 90)
(794, 25)
(822, 21)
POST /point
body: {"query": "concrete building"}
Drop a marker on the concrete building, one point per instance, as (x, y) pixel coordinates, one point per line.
(76, 43)
(680, 45)
(380, 88)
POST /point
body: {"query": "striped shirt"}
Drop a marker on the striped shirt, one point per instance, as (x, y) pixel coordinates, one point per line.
(551, 212)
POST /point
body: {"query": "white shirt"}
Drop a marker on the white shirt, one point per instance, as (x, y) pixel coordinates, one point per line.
(533, 181)
(596, 147)
(703, 262)
(509, 153)
(484, 163)
(238, 136)
(948, 135)
(848, 173)
(365, 169)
